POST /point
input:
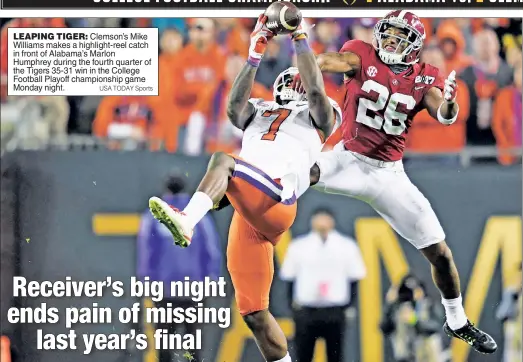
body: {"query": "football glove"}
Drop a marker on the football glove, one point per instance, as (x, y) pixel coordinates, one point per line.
(259, 40)
(450, 88)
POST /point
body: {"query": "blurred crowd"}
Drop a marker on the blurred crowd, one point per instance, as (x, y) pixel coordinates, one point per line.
(199, 59)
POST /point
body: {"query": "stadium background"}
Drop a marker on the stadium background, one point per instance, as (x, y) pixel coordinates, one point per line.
(69, 189)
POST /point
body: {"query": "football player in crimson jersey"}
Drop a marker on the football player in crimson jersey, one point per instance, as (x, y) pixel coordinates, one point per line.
(385, 88)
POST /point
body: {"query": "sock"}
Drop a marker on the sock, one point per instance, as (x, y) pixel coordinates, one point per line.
(456, 317)
(198, 206)
(287, 358)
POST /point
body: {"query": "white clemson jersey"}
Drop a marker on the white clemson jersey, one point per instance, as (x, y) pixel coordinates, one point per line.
(282, 141)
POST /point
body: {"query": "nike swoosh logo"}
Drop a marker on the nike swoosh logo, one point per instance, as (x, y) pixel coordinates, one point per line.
(418, 88)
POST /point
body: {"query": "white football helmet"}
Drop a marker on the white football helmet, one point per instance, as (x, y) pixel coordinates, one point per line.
(283, 90)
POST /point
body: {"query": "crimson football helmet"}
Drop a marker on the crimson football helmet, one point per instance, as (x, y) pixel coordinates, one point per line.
(414, 30)
(283, 88)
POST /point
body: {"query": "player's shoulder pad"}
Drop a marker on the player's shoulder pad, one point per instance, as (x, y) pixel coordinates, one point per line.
(300, 105)
(429, 70)
(260, 103)
(297, 107)
(358, 47)
(255, 101)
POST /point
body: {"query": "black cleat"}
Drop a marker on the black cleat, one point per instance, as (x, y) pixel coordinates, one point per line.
(479, 340)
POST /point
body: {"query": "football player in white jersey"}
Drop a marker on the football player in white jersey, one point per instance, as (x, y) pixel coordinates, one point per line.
(281, 140)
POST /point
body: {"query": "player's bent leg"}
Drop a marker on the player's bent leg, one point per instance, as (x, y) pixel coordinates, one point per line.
(337, 172)
(268, 335)
(444, 271)
(250, 261)
(446, 277)
(410, 214)
(216, 180)
(258, 199)
(210, 192)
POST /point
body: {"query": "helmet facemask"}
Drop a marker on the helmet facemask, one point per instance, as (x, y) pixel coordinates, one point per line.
(284, 87)
(411, 42)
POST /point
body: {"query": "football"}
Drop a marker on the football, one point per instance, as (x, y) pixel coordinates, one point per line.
(283, 17)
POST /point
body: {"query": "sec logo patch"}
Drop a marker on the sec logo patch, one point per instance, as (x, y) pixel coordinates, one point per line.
(372, 71)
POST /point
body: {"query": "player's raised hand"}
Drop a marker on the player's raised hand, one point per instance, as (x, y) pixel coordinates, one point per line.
(260, 36)
(451, 88)
(299, 33)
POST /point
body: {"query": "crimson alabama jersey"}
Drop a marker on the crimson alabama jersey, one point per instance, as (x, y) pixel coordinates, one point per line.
(379, 105)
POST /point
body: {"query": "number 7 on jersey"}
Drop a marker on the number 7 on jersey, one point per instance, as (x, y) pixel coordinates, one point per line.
(280, 115)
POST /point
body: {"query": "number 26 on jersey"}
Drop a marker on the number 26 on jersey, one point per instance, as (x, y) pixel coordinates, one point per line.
(387, 103)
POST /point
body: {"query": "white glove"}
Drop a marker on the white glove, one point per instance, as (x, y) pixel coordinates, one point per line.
(450, 91)
(260, 36)
(451, 88)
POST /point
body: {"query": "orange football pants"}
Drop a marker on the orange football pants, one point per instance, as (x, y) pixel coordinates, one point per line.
(259, 221)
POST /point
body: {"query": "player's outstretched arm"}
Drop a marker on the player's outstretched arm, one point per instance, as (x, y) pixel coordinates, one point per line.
(239, 110)
(320, 107)
(332, 62)
(442, 105)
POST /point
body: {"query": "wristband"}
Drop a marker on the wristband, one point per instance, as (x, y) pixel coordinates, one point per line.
(302, 46)
(299, 36)
(443, 120)
(255, 62)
